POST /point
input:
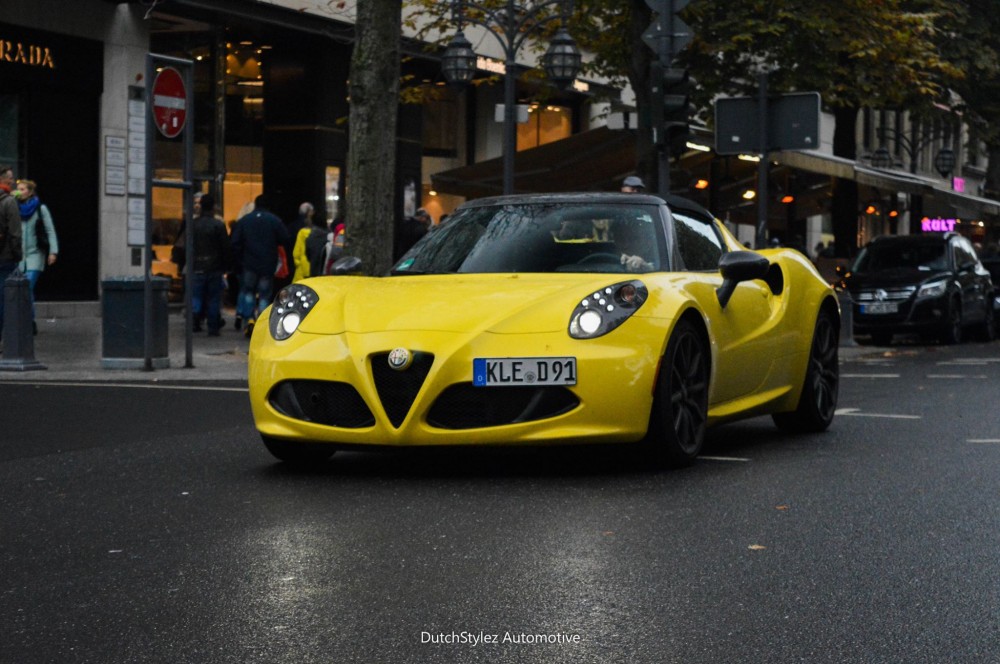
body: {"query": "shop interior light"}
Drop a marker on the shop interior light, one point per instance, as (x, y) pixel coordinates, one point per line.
(894, 213)
(871, 209)
(787, 198)
(749, 194)
(749, 157)
(701, 184)
(697, 146)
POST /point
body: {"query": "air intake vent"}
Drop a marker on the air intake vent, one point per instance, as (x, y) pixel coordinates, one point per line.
(398, 389)
(322, 402)
(466, 407)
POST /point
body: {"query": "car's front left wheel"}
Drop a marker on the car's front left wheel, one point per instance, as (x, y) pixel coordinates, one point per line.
(680, 406)
(297, 453)
(820, 388)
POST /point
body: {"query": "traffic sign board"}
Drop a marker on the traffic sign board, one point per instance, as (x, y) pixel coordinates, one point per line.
(667, 36)
(792, 123)
(169, 102)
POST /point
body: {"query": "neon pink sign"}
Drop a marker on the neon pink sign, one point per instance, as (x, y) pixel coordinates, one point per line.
(937, 224)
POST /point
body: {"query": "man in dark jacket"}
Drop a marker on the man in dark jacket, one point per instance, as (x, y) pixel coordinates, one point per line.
(211, 259)
(256, 238)
(10, 232)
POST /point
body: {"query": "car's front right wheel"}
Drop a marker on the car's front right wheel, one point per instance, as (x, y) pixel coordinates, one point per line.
(818, 401)
(297, 453)
(680, 406)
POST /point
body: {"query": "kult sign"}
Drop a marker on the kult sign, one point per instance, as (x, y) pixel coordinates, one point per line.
(937, 224)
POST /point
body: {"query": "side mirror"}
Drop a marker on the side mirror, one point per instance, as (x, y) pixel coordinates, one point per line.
(346, 265)
(737, 266)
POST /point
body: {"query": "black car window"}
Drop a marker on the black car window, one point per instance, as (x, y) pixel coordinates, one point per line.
(698, 241)
(542, 237)
(921, 255)
(965, 255)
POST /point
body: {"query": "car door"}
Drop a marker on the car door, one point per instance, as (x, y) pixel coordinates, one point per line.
(972, 284)
(742, 332)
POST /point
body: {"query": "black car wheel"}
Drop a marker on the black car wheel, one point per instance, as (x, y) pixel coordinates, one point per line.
(680, 406)
(989, 330)
(820, 388)
(953, 333)
(296, 453)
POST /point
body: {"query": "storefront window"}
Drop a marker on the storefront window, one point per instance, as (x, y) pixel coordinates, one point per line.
(545, 125)
(332, 190)
(9, 131)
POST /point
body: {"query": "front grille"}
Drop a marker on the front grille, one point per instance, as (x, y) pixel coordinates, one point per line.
(398, 389)
(323, 402)
(887, 294)
(463, 406)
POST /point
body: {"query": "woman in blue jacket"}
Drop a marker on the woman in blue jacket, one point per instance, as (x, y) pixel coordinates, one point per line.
(38, 235)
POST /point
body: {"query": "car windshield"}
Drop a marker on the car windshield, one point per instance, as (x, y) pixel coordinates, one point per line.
(927, 256)
(543, 237)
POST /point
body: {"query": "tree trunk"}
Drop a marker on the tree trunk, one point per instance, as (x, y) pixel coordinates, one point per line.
(371, 156)
(845, 192)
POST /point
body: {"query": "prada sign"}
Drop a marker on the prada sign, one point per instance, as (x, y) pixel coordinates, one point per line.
(26, 54)
(30, 58)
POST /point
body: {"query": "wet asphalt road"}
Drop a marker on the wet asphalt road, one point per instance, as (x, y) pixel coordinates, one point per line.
(149, 525)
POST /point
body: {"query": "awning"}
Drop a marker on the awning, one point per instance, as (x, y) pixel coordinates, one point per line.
(594, 160)
(888, 180)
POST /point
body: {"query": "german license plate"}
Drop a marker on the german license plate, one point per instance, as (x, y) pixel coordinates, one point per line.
(515, 371)
(880, 308)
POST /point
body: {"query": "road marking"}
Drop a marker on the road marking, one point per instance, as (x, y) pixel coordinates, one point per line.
(855, 412)
(142, 386)
(982, 441)
(954, 376)
(723, 458)
(869, 375)
(969, 362)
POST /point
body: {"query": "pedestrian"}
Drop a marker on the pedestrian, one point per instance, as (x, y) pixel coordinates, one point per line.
(211, 258)
(299, 253)
(11, 246)
(255, 240)
(319, 239)
(410, 230)
(633, 185)
(40, 246)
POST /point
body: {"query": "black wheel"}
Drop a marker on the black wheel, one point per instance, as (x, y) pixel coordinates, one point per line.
(680, 404)
(296, 453)
(818, 402)
(953, 332)
(989, 329)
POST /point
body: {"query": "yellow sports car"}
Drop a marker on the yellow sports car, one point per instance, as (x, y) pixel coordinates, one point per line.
(539, 319)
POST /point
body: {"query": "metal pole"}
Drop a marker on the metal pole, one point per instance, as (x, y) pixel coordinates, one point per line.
(189, 213)
(762, 166)
(147, 298)
(509, 112)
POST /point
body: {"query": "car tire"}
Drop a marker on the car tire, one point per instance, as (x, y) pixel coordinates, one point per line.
(953, 333)
(820, 387)
(989, 329)
(297, 453)
(678, 420)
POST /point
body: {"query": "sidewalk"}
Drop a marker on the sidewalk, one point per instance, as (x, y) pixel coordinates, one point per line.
(70, 348)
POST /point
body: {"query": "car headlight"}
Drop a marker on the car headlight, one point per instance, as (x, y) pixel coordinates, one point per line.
(933, 289)
(291, 305)
(604, 310)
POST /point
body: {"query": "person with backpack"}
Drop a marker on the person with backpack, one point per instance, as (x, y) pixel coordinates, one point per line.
(40, 246)
(10, 232)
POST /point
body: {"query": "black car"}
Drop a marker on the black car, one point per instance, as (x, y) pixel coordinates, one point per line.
(931, 285)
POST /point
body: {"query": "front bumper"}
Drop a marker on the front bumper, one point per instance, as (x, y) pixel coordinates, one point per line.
(923, 315)
(335, 389)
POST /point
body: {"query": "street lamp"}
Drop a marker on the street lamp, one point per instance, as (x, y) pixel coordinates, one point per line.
(912, 145)
(511, 24)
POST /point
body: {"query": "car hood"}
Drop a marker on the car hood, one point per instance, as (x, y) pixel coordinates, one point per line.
(895, 278)
(499, 303)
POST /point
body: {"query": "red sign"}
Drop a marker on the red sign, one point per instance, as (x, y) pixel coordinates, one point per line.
(169, 102)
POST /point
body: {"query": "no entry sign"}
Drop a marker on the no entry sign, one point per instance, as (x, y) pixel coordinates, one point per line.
(169, 102)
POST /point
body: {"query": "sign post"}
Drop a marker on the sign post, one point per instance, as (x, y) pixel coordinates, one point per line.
(169, 103)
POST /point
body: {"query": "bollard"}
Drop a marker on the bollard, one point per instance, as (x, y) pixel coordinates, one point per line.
(846, 319)
(18, 337)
